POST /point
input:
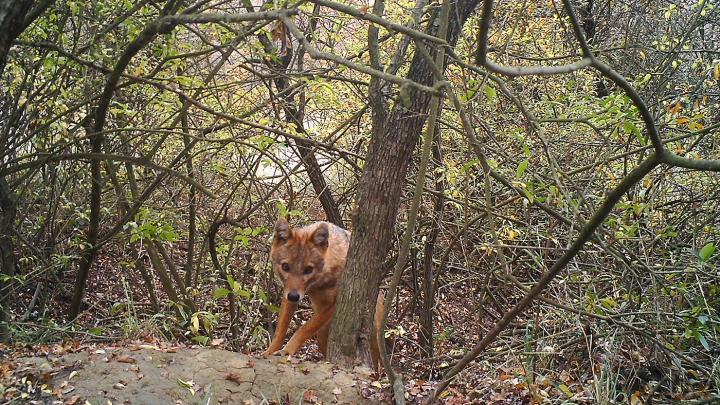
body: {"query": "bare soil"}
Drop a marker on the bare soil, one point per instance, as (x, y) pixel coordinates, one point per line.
(147, 374)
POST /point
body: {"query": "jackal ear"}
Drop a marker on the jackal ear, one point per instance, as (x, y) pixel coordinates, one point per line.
(320, 236)
(283, 232)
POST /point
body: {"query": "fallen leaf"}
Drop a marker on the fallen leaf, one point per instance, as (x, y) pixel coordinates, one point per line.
(636, 398)
(310, 396)
(72, 400)
(126, 359)
(237, 378)
(336, 391)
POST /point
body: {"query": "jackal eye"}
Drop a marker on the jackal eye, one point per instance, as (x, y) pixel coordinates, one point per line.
(308, 270)
(285, 267)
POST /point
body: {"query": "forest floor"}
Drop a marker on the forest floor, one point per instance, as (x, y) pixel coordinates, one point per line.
(162, 374)
(112, 356)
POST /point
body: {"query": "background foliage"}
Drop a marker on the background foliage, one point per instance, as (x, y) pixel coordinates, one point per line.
(198, 140)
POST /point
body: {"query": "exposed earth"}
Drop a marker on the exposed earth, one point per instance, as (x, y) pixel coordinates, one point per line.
(148, 374)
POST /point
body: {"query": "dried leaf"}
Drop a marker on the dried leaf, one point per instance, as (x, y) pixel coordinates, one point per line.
(636, 398)
(235, 377)
(126, 359)
(675, 108)
(310, 396)
(72, 400)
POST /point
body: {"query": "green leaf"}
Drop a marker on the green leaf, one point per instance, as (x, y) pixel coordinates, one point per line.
(187, 385)
(703, 341)
(96, 331)
(608, 303)
(221, 293)
(490, 92)
(564, 388)
(629, 127)
(203, 340)
(706, 252)
(117, 308)
(521, 168)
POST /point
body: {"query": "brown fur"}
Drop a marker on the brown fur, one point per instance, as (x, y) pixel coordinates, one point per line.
(314, 259)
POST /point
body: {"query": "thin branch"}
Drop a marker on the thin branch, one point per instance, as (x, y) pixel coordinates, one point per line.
(391, 26)
(316, 54)
(514, 71)
(44, 158)
(613, 197)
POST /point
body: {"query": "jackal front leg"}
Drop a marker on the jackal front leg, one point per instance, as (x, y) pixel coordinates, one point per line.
(310, 328)
(287, 309)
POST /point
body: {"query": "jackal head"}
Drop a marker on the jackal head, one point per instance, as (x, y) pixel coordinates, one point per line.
(298, 257)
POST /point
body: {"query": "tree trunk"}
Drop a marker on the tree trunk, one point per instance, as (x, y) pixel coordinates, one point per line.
(294, 113)
(7, 255)
(15, 16)
(426, 314)
(12, 23)
(379, 195)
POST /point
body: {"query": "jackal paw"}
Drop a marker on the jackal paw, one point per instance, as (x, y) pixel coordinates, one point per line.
(281, 352)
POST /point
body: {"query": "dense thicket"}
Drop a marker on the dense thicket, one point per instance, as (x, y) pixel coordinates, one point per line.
(567, 218)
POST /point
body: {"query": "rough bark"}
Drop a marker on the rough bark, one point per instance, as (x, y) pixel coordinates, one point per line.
(7, 255)
(12, 23)
(15, 16)
(379, 193)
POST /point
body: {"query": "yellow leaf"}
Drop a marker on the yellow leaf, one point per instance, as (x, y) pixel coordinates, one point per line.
(716, 72)
(636, 399)
(195, 324)
(682, 120)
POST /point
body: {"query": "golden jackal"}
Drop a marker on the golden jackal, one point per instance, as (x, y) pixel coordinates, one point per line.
(309, 261)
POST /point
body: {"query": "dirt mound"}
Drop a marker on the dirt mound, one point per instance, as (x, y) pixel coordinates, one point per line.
(147, 374)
